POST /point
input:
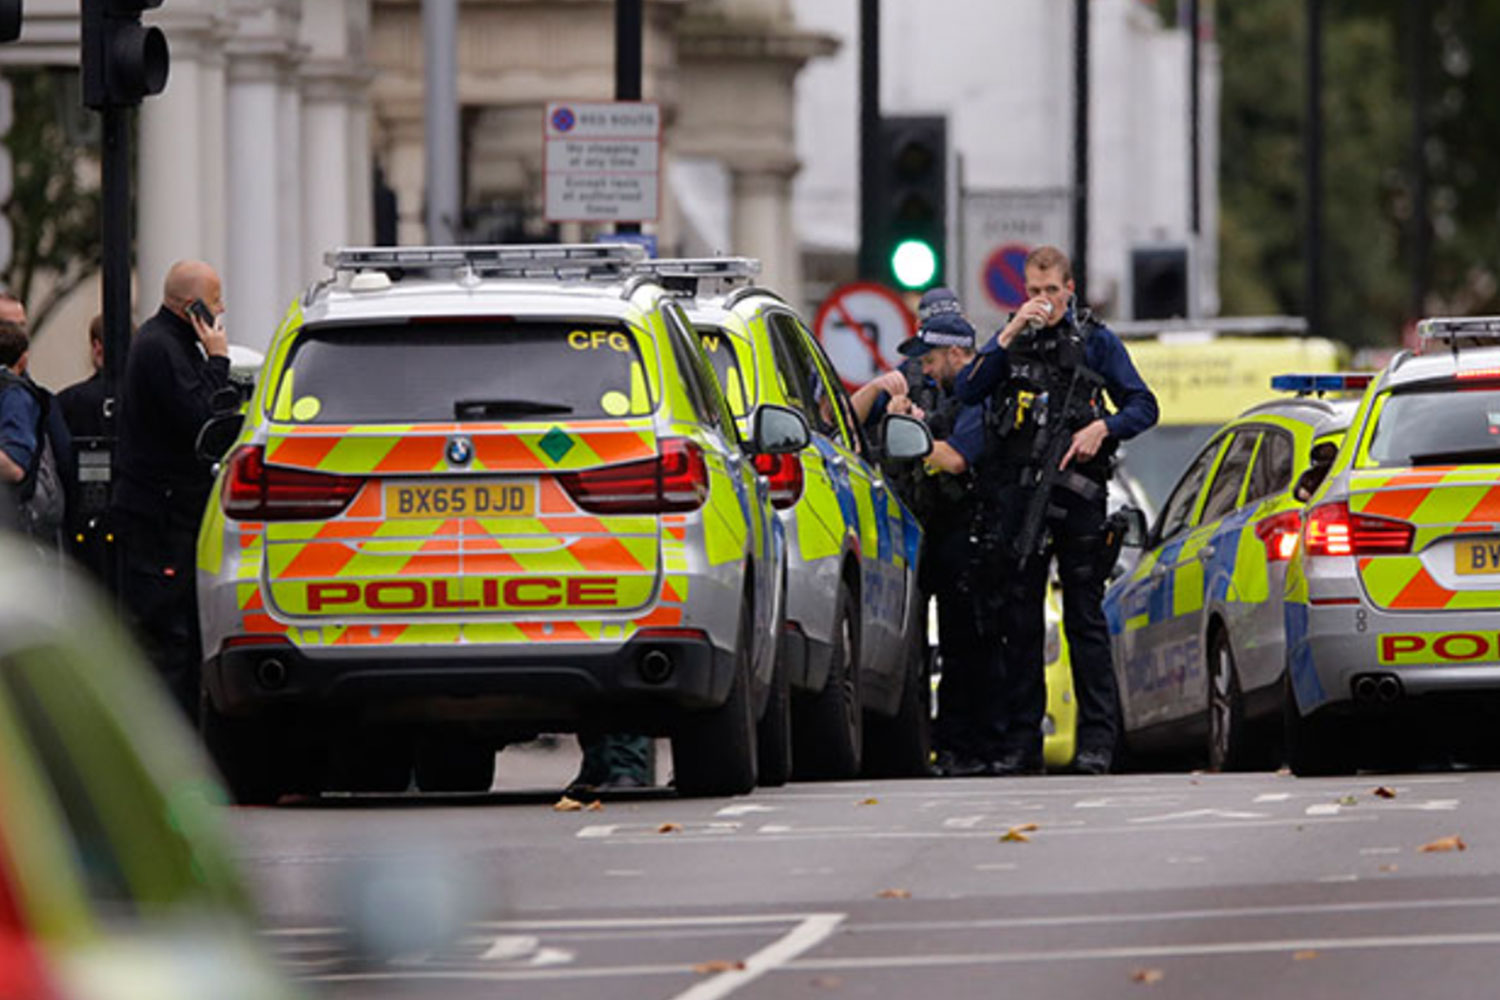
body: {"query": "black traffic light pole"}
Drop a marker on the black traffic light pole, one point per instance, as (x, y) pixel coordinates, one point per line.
(869, 138)
(629, 40)
(115, 270)
(1312, 157)
(1081, 149)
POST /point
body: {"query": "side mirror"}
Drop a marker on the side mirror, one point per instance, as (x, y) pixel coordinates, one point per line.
(778, 430)
(215, 437)
(226, 400)
(1135, 533)
(905, 437)
(1324, 453)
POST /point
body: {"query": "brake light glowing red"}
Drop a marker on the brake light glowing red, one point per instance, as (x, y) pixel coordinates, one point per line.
(1280, 534)
(1333, 531)
(676, 480)
(255, 491)
(784, 473)
(1479, 373)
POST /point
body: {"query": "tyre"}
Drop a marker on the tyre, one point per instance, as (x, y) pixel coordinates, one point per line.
(247, 754)
(773, 735)
(901, 746)
(828, 727)
(1316, 745)
(455, 765)
(1230, 745)
(713, 752)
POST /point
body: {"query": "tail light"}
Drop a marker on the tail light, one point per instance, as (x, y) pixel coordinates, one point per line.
(784, 473)
(1280, 533)
(255, 491)
(675, 480)
(1333, 531)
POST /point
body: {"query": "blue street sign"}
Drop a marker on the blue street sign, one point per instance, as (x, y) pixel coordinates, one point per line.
(1005, 275)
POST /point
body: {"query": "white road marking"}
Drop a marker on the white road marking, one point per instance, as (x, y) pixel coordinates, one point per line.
(1324, 809)
(1379, 850)
(964, 822)
(775, 828)
(1170, 916)
(1273, 797)
(1126, 801)
(1339, 878)
(1199, 814)
(812, 931)
(1161, 951)
(743, 809)
(602, 830)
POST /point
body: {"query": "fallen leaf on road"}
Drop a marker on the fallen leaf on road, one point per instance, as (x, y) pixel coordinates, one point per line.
(1014, 836)
(893, 894)
(717, 965)
(669, 828)
(1147, 976)
(1283, 772)
(1348, 800)
(1305, 955)
(1388, 868)
(1385, 792)
(828, 982)
(594, 807)
(869, 802)
(1454, 843)
(567, 805)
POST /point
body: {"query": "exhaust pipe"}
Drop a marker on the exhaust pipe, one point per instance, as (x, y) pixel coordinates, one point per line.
(656, 667)
(1387, 689)
(271, 674)
(1366, 688)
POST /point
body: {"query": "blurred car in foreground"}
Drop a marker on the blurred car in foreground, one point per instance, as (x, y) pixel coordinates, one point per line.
(114, 879)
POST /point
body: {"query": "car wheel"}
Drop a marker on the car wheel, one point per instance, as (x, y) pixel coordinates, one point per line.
(828, 727)
(1316, 745)
(246, 754)
(454, 765)
(713, 752)
(1229, 741)
(773, 736)
(901, 746)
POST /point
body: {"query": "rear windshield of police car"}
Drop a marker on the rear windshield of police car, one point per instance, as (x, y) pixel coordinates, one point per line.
(1438, 426)
(446, 370)
(719, 347)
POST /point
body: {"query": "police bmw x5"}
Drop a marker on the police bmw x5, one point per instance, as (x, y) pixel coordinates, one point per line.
(1393, 597)
(481, 493)
(853, 643)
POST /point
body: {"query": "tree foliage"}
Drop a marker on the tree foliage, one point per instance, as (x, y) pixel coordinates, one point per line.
(1369, 189)
(54, 205)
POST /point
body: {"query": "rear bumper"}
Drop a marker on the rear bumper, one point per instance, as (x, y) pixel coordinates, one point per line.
(643, 685)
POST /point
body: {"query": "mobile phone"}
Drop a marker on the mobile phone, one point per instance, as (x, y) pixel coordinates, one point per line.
(200, 309)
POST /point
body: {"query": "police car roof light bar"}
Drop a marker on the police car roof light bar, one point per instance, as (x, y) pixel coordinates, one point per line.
(1305, 385)
(1454, 329)
(703, 267)
(515, 261)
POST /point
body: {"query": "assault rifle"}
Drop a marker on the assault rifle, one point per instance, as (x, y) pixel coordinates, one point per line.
(1053, 439)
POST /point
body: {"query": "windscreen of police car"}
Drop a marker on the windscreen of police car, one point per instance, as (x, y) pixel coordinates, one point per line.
(719, 347)
(1434, 425)
(459, 368)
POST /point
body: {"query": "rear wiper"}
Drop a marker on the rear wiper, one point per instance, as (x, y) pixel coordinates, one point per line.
(1459, 457)
(505, 407)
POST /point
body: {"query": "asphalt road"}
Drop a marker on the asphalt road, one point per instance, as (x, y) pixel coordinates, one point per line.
(1180, 886)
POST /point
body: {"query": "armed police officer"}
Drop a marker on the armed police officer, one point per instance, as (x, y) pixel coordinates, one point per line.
(1050, 440)
(940, 492)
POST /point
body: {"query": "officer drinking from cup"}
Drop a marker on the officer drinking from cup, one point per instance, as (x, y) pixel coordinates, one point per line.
(1049, 443)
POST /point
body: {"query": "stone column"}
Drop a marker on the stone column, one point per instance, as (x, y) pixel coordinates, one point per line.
(762, 224)
(333, 86)
(405, 169)
(181, 154)
(258, 284)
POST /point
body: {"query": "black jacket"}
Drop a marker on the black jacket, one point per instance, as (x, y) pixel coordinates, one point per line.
(165, 399)
(82, 406)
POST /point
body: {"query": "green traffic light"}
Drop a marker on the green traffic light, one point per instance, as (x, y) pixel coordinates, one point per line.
(914, 264)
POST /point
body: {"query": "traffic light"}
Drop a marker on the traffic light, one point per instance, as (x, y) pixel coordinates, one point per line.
(123, 60)
(911, 222)
(10, 20)
(1159, 282)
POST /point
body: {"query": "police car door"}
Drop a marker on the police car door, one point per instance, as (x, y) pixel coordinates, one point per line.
(879, 518)
(1151, 650)
(1215, 551)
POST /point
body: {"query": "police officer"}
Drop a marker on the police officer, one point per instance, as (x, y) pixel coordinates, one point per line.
(939, 490)
(1045, 375)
